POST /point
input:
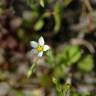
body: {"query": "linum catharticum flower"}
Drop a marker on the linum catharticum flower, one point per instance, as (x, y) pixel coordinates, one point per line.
(39, 47)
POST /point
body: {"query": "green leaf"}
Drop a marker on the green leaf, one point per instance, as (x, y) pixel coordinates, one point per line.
(59, 71)
(31, 4)
(74, 53)
(70, 55)
(66, 89)
(86, 64)
(42, 3)
(54, 80)
(39, 25)
(19, 93)
(57, 22)
(74, 94)
(67, 2)
(57, 16)
(50, 59)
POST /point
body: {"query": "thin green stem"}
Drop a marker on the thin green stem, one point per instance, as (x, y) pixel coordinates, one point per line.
(30, 71)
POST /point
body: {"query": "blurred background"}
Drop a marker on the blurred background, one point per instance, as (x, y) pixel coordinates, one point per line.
(68, 27)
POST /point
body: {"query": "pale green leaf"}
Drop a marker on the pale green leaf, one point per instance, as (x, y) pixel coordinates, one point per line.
(42, 3)
(57, 16)
(74, 53)
(39, 25)
(70, 55)
(86, 64)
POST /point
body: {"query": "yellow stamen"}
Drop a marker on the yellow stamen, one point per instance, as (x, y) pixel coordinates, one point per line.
(39, 48)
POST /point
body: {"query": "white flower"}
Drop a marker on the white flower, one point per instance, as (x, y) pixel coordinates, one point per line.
(39, 47)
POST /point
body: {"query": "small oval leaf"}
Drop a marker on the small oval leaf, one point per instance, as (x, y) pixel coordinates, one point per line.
(42, 3)
(39, 25)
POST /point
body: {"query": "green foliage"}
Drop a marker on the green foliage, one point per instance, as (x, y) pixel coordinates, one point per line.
(58, 86)
(38, 25)
(57, 13)
(45, 80)
(74, 53)
(70, 55)
(86, 64)
(67, 2)
(2, 7)
(59, 65)
(42, 3)
(57, 16)
(62, 90)
(50, 56)
(82, 94)
(31, 3)
(19, 93)
(59, 71)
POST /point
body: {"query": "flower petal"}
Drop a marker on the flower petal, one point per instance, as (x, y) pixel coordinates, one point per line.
(46, 47)
(41, 41)
(40, 54)
(34, 51)
(33, 44)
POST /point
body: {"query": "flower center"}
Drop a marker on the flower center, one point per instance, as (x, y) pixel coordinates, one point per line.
(40, 48)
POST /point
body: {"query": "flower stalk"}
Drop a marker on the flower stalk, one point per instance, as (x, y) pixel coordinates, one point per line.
(37, 48)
